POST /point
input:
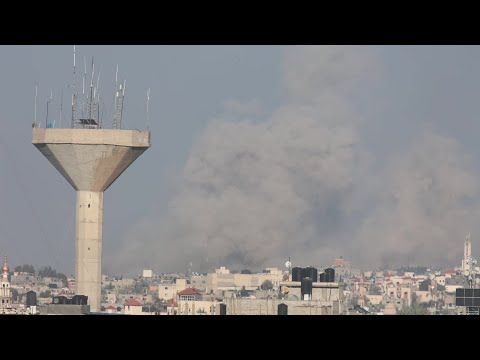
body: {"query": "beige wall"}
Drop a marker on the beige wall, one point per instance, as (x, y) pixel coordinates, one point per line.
(270, 307)
(216, 281)
(169, 291)
(375, 299)
(423, 296)
(133, 310)
(196, 307)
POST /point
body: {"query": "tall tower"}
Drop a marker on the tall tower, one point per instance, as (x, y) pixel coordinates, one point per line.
(467, 254)
(90, 158)
(5, 293)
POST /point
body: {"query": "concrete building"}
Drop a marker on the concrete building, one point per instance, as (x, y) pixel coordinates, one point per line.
(5, 291)
(90, 159)
(321, 291)
(132, 307)
(169, 291)
(241, 306)
(326, 299)
(199, 282)
(147, 274)
(197, 307)
(223, 280)
(62, 309)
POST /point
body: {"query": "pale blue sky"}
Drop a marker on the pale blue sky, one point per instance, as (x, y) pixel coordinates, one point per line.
(417, 87)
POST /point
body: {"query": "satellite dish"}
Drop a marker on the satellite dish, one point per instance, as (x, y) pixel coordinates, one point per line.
(477, 280)
(467, 272)
(477, 269)
(288, 264)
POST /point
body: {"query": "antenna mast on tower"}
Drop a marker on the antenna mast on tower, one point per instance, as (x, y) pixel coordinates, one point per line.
(74, 95)
(119, 95)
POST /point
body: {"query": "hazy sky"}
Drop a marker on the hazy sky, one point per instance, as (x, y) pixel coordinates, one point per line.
(258, 153)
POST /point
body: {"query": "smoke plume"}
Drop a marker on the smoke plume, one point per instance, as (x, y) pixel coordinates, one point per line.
(256, 191)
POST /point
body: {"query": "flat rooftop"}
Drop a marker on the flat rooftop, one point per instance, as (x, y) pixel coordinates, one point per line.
(131, 138)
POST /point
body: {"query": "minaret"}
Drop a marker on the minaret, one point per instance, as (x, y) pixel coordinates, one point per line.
(467, 248)
(5, 294)
(5, 269)
(467, 254)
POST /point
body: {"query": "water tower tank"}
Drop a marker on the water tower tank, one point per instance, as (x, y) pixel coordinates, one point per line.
(297, 273)
(330, 275)
(31, 298)
(282, 309)
(311, 272)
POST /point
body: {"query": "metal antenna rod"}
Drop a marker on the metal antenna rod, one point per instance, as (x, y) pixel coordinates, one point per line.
(91, 92)
(61, 111)
(74, 95)
(148, 100)
(36, 86)
(98, 80)
(84, 75)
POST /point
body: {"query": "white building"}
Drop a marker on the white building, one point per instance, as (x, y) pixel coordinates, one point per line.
(5, 293)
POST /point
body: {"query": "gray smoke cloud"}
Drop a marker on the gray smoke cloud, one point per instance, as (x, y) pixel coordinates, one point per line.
(427, 203)
(299, 183)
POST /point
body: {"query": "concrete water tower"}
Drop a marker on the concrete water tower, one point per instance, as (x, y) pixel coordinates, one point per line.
(90, 157)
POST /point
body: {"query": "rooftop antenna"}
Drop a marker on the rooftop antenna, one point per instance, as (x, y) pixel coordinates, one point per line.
(84, 75)
(61, 111)
(48, 102)
(74, 95)
(36, 86)
(148, 100)
(98, 79)
(91, 92)
(119, 95)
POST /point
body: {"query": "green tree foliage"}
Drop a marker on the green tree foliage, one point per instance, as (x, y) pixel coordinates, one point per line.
(415, 309)
(47, 271)
(140, 287)
(45, 294)
(25, 268)
(424, 285)
(266, 285)
(14, 294)
(374, 290)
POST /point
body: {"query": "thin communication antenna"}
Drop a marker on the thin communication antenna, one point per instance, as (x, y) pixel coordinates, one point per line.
(48, 102)
(148, 100)
(61, 111)
(91, 92)
(36, 86)
(98, 80)
(84, 75)
(74, 95)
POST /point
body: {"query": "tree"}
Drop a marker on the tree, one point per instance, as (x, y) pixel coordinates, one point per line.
(415, 309)
(14, 294)
(64, 279)
(25, 268)
(424, 285)
(45, 294)
(374, 290)
(266, 285)
(47, 271)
